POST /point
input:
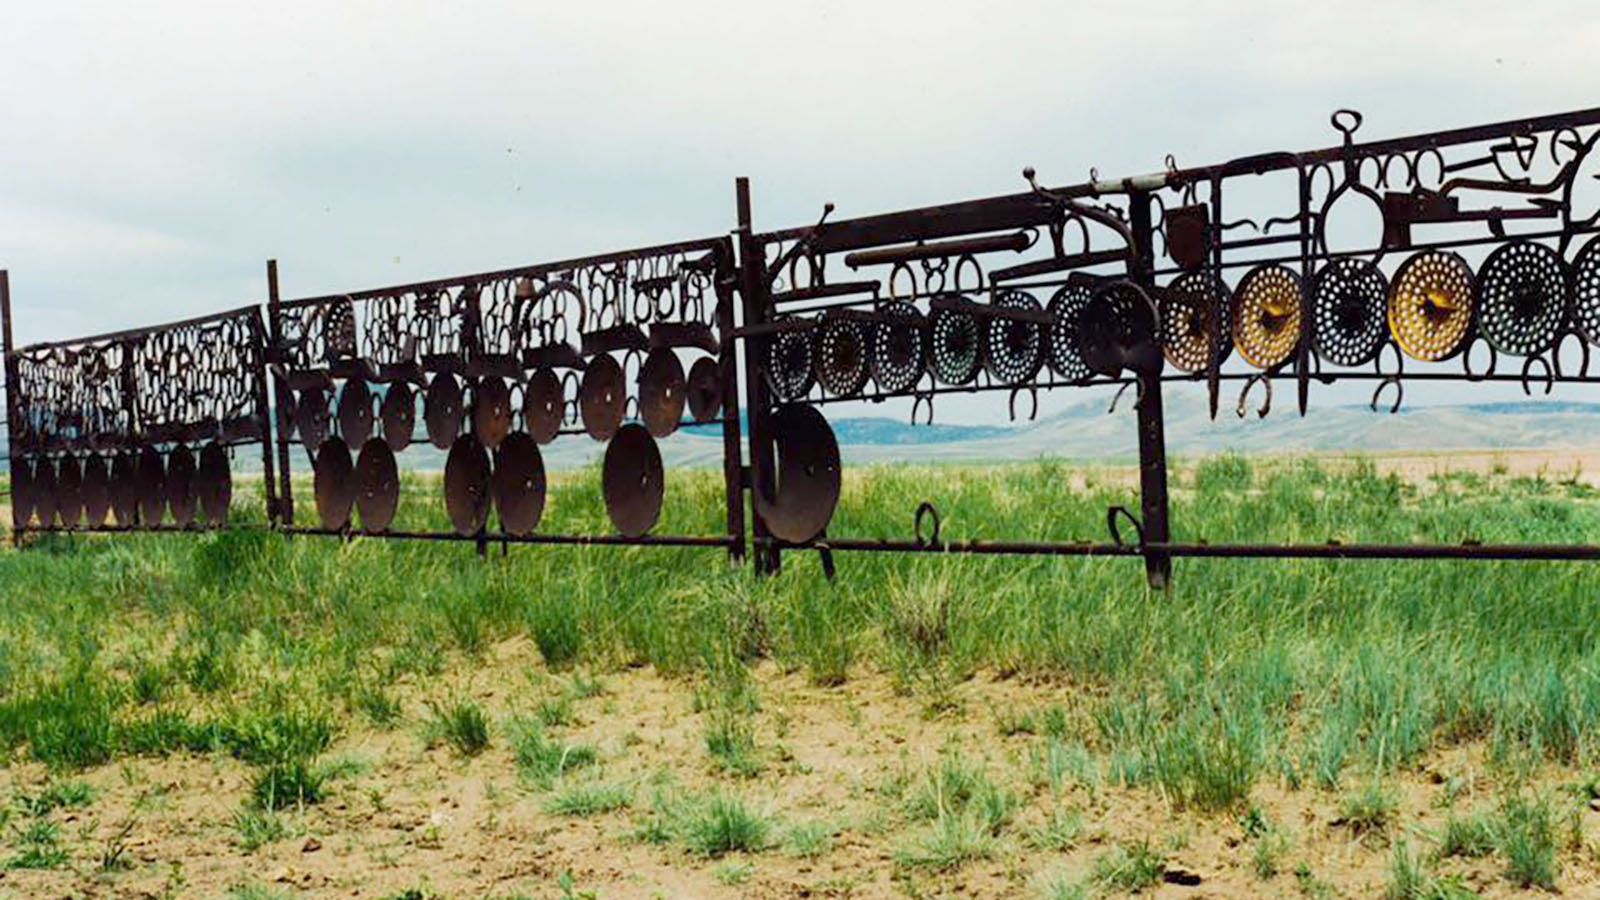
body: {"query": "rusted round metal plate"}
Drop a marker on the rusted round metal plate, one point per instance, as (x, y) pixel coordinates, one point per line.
(705, 390)
(22, 491)
(491, 411)
(1266, 316)
(151, 477)
(633, 480)
(125, 488)
(1524, 296)
(1586, 291)
(808, 474)
(955, 350)
(441, 410)
(1191, 306)
(1431, 300)
(333, 483)
(1117, 330)
(466, 485)
(377, 485)
(399, 416)
(355, 412)
(542, 406)
(518, 483)
(663, 391)
(214, 485)
(602, 396)
(69, 491)
(789, 367)
(180, 484)
(1013, 350)
(44, 491)
(899, 347)
(1065, 353)
(1347, 322)
(96, 491)
(843, 351)
(311, 417)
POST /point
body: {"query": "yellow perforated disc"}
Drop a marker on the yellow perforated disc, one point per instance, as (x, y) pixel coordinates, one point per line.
(1266, 316)
(1430, 305)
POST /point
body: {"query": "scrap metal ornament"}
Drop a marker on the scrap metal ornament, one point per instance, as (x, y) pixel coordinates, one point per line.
(789, 364)
(1348, 327)
(808, 475)
(1191, 308)
(125, 488)
(1066, 311)
(518, 484)
(899, 347)
(843, 347)
(1013, 349)
(543, 406)
(955, 346)
(633, 481)
(1431, 305)
(355, 412)
(663, 391)
(1523, 298)
(491, 411)
(441, 410)
(96, 491)
(466, 485)
(69, 491)
(214, 485)
(334, 484)
(399, 414)
(705, 390)
(151, 480)
(377, 482)
(602, 397)
(1266, 316)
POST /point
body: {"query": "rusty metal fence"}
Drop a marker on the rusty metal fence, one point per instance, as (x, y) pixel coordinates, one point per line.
(1465, 256)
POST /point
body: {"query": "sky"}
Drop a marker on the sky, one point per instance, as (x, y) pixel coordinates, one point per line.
(157, 154)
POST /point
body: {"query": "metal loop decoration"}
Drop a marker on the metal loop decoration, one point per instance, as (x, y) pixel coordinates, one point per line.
(1466, 360)
(926, 510)
(1116, 399)
(1032, 394)
(922, 400)
(1583, 350)
(899, 347)
(1115, 514)
(1066, 310)
(1399, 393)
(1549, 378)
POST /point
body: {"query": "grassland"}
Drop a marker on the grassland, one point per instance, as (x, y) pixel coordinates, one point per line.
(241, 714)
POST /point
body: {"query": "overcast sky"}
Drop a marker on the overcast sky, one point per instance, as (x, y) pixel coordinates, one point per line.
(156, 154)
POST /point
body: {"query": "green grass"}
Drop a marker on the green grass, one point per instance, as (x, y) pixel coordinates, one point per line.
(460, 723)
(589, 799)
(1129, 867)
(542, 759)
(723, 823)
(256, 828)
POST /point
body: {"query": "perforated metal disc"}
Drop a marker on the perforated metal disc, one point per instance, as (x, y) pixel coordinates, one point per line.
(705, 390)
(1117, 330)
(1188, 308)
(44, 491)
(151, 478)
(311, 417)
(789, 369)
(333, 483)
(124, 488)
(843, 346)
(899, 347)
(808, 474)
(1013, 351)
(518, 483)
(955, 346)
(633, 480)
(1586, 290)
(96, 491)
(466, 485)
(441, 410)
(1266, 316)
(1066, 309)
(355, 412)
(1431, 301)
(491, 410)
(180, 484)
(602, 397)
(339, 329)
(22, 490)
(1523, 298)
(542, 405)
(663, 390)
(399, 411)
(214, 485)
(1347, 320)
(377, 485)
(69, 491)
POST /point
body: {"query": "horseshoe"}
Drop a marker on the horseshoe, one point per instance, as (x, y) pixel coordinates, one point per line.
(1265, 380)
(1555, 355)
(1121, 512)
(1138, 395)
(1549, 375)
(925, 510)
(1494, 356)
(1033, 394)
(917, 401)
(1399, 393)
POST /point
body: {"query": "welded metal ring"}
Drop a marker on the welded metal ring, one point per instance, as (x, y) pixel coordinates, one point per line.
(333, 484)
(1586, 291)
(1348, 327)
(311, 417)
(1188, 309)
(214, 485)
(125, 488)
(1013, 350)
(44, 491)
(602, 397)
(542, 404)
(399, 412)
(151, 477)
(491, 411)
(788, 369)
(377, 479)
(808, 474)
(633, 481)
(22, 490)
(705, 389)
(1118, 330)
(355, 412)
(180, 484)
(69, 491)
(518, 484)
(955, 346)
(96, 491)
(844, 344)
(663, 390)
(466, 485)
(1523, 298)
(1266, 316)
(1431, 301)
(899, 347)
(1066, 309)
(441, 410)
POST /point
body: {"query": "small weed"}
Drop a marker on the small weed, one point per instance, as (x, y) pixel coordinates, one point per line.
(1059, 832)
(541, 759)
(722, 824)
(555, 712)
(589, 799)
(380, 708)
(1526, 835)
(282, 785)
(462, 724)
(1129, 867)
(1370, 810)
(808, 839)
(57, 795)
(733, 872)
(255, 890)
(1470, 837)
(39, 847)
(951, 840)
(255, 828)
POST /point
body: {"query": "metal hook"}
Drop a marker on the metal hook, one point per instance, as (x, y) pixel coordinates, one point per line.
(925, 509)
(1549, 375)
(1265, 380)
(1346, 122)
(1399, 393)
(1033, 394)
(1138, 396)
(1121, 512)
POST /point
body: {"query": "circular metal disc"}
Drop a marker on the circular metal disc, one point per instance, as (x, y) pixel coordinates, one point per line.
(705, 389)
(151, 477)
(543, 403)
(602, 396)
(491, 411)
(69, 491)
(789, 369)
(466, 485)
(22, 490)
(633, 480)
(377, 480)
(1347, 321)
(955, 346)
(1066, 309)
(1586, 290)
(311, 417)
(399, 411)
(843, 348)
(96, 491)
(1013, 350)
(1431, 302)
(518, 483)
(1523, 298)
(44, 491)
(1118, 330)
(808, 474)
(355, 412)
(1189, 306)
(125, 488)
(899, 347)
(663, 390)
(180, 484)
(214, 485)
(333, 483)
(441, 410)
(1266, 316)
